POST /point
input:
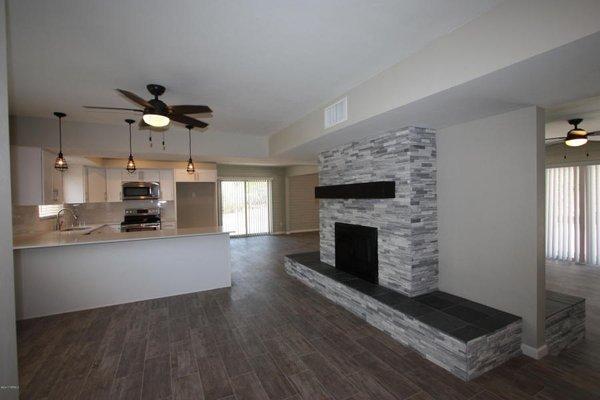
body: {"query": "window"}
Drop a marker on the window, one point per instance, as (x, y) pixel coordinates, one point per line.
(573, 214)
(49, 210)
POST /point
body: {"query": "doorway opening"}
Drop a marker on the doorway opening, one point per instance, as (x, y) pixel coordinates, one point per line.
(245, 206)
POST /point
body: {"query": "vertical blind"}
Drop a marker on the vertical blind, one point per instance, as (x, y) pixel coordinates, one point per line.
(245, 206)
(572, 214)
(592, 218)
(563, 240)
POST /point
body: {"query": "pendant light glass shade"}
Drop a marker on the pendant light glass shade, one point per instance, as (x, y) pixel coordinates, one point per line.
(130, 165)
(190, 165)
(60, 163)
(130, 162)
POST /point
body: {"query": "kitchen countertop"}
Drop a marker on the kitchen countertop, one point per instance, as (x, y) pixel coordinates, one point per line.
(100, 235)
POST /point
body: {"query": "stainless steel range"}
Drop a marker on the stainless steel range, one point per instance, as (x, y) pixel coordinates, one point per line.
(141, 219)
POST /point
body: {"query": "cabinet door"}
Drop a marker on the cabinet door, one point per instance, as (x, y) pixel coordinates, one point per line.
(114, 185)
(130, 177)
(74, 184)
(167, 188)
(52, 180)
(96, 185)
(150, 175)
(26, 175)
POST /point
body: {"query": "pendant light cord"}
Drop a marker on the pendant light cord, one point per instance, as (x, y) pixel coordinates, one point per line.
(130, 139)
(60, 134)
(190, 141)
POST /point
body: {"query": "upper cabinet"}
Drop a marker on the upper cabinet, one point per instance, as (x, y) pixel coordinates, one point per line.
(201, 175)
(114, 184)
(167, 184)
(26, 175)
(95, 190)
(35, 181)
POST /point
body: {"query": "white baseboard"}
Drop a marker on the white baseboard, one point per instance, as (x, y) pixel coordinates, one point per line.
(302, 231)
(532, 352)
(278, 233)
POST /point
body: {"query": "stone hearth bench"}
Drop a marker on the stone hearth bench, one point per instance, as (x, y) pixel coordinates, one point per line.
(461, 336)
(565, 321)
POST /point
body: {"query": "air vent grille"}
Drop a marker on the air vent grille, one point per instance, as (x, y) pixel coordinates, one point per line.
(336, 113)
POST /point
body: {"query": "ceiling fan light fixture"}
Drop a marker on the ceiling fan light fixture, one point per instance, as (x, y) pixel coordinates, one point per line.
(576, 137)
(575, 141)
(156, 120)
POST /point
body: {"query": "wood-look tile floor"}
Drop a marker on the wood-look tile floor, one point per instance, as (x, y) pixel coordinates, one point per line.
(266, 337)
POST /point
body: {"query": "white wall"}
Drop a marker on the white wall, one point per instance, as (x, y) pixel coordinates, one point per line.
(513, 31)
(8, 334)
(491, 216)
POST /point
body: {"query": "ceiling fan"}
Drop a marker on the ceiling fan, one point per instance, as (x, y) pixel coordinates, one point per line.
(576, 136)
(156, 113)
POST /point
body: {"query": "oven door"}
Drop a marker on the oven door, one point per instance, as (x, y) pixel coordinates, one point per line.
(141, 191)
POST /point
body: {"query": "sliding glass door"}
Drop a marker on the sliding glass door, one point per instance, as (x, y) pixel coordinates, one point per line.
(245, 206)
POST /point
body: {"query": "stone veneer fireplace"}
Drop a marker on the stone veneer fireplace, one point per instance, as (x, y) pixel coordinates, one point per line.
(406, 225)
(379, 255)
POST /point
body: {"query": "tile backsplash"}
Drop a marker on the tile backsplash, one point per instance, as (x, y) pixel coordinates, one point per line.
(26, 218)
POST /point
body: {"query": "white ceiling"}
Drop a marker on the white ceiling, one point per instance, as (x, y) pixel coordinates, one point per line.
(260, 65)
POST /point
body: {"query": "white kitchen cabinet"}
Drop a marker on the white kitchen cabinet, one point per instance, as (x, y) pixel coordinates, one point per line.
(26, 175)
(130, 176)
(201, 175)
(114, 185)
(150, 175)
(52, 180)
(95, 185)
(74, 184)
(167, 185)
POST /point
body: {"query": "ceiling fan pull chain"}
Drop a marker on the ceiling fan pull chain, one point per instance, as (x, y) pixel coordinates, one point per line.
(163, 141)
(150, 136)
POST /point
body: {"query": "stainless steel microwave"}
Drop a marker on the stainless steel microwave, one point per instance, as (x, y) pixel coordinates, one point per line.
(141, 191)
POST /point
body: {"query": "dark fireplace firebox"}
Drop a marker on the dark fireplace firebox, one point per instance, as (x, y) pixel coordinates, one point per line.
(356, 250)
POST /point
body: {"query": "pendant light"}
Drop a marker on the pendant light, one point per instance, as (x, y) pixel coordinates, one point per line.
(60, 163)
(130, 163)
(190, 165)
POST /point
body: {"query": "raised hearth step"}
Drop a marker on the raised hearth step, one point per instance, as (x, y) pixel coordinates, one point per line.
(462, 336)
(456, 316)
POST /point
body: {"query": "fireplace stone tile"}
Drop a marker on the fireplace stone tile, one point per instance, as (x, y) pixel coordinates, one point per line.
(465, 349)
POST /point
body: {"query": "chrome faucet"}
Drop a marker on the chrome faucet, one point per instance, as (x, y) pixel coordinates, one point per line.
(59, 223)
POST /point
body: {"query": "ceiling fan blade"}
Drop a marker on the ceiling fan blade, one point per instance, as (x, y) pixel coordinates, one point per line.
(113, 108)
(189, 109)
(184, 119)
(595, 133)
(555, 140)
(135, 98)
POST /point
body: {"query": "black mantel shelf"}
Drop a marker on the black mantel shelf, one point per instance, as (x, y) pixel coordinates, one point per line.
(367, 190)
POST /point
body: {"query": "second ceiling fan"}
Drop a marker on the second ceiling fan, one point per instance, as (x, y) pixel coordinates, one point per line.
(157, 113)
